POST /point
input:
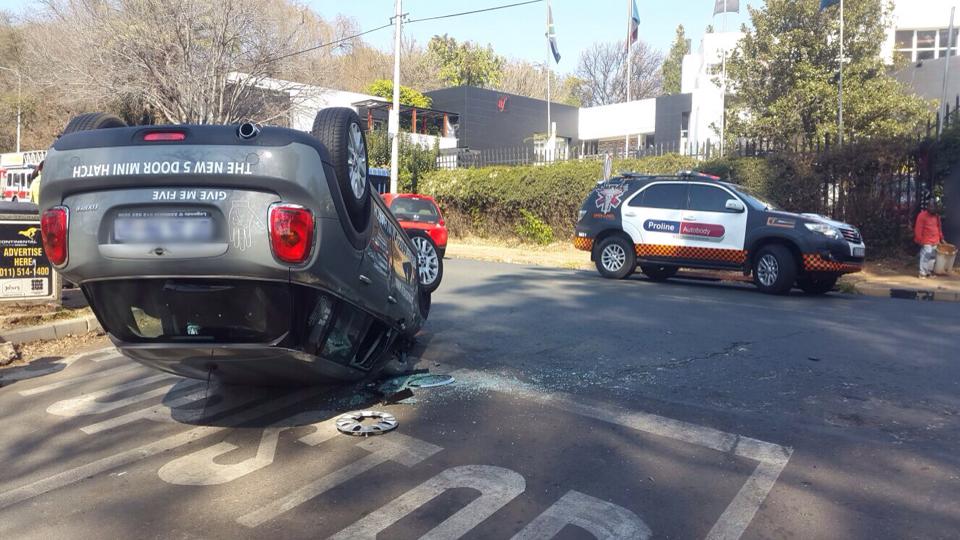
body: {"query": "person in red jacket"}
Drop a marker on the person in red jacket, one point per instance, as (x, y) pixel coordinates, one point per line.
(928, 232)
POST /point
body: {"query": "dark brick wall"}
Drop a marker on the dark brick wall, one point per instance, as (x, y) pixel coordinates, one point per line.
(484, 126)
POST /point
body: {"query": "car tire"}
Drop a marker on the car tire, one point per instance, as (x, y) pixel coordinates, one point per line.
(91, 121)
(423, 304)
(658, 272)
(429, 261)
(774, 269)
(340, 131)
(817, 285)
(615, 257)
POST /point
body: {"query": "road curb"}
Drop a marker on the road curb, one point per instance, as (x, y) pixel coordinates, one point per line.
(906, 293)
(55, 330)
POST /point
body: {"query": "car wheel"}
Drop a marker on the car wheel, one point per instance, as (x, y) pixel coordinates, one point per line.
(94, 120)
(615, 258)
(774, 269)
(339, 129)
(657, 272)
(820, 284)
(429, 263)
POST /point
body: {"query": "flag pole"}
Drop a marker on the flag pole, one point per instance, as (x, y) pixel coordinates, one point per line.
(946, 70)
(626, 147)
(840, 111)
(546, 65)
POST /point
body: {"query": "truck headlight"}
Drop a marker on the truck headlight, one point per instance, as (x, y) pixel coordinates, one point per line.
(827, 230)
(581, 214)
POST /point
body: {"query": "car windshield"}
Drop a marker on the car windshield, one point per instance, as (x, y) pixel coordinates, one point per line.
(410, 209)
(754, 199)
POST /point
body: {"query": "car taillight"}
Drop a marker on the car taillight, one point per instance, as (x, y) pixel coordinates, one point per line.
(53, 230)
(165, 136)
(291, 232)
(441, 223)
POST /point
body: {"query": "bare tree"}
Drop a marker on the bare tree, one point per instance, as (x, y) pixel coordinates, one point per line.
(177, 58)
(602, 68)
(528, 79)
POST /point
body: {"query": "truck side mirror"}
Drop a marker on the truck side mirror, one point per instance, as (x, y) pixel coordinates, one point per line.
(733, 205)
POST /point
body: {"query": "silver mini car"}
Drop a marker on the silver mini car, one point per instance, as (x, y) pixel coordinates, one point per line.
(259, 255)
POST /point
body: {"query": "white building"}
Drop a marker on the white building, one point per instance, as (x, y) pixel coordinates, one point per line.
(919, 30)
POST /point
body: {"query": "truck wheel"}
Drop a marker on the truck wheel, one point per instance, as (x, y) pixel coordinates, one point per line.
(615, 258)
(429, 263)
(819, 284)
(774, 269)
(94, 120)
(658, 273)
(338, 128)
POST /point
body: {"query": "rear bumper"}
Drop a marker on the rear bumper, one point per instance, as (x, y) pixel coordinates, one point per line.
(251, 364)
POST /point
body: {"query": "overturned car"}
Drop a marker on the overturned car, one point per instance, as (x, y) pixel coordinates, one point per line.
(259, 255)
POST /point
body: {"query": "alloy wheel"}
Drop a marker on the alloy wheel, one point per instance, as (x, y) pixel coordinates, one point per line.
(768, 270)
(613, 258)
(357, 161)
(428, 262)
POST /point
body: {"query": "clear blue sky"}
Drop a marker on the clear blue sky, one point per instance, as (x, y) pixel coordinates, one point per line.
(518, 32)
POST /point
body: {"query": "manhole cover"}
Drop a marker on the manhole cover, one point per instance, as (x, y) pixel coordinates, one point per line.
(352, 423)
(428, 381)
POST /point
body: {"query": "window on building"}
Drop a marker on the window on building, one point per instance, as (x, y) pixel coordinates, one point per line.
(684, 125)
(924, 44)
(904, 39)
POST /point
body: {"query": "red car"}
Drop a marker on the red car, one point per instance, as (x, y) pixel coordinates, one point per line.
(420, 217)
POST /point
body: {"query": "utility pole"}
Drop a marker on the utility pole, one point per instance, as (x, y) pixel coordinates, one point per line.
(393, 128)
(840, 110)
(626, 147)
(946, 71)
(548, 146)
(19, 99)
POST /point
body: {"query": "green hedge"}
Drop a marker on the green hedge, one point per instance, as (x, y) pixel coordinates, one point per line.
(488, 201)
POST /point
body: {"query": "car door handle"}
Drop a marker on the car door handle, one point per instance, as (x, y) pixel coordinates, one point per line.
(365, 279)
(391, 299)
(691, 218)
(630, 214)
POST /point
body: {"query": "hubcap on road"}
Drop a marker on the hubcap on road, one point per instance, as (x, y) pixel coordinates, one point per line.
(767, 270)
(357, 161)
(613, 258)
(427, 260)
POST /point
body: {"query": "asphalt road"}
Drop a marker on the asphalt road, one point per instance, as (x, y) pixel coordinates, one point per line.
(583, 408)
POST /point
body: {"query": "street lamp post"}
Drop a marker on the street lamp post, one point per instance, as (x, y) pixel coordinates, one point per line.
(19, 99)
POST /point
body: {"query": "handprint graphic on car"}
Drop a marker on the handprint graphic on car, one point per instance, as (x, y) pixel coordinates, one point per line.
(244, 223)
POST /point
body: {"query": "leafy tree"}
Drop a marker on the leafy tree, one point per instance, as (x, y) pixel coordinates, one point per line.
(415, 160)
(408, 96)
(784, 75)
(467, 63)
(674, 62)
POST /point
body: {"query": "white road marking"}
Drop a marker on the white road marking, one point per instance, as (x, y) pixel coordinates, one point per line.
(79, 379)
(164, 411)
(773, 458)
(77, 474)
(396, 447)
(604, 520)
(200, 469)
(32, 371)
(89, 404)
(497, 487)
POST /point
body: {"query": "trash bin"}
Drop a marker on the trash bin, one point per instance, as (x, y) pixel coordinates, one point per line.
(946, 256)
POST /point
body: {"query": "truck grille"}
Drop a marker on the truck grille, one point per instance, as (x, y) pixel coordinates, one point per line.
(852, 235)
